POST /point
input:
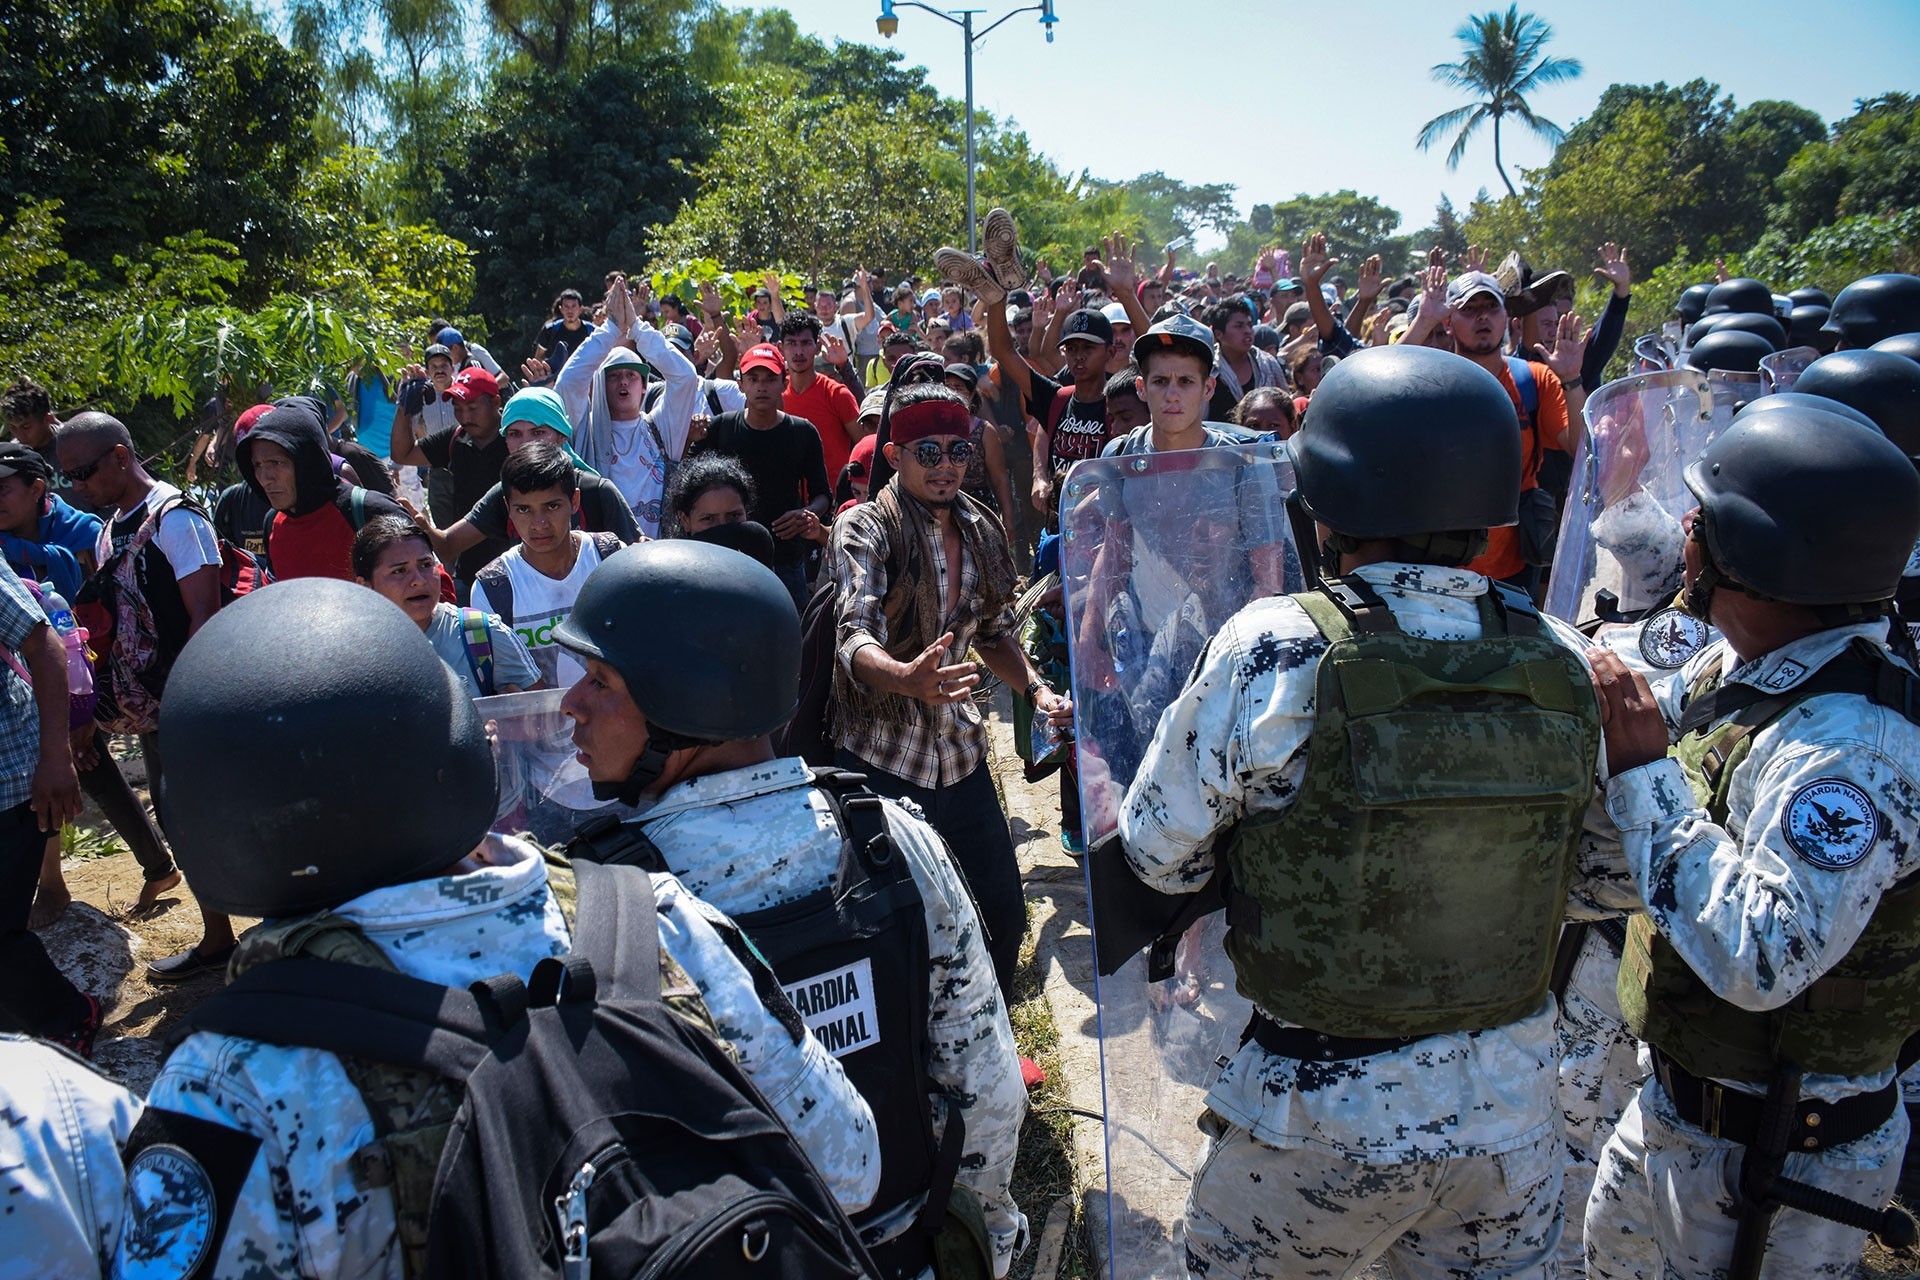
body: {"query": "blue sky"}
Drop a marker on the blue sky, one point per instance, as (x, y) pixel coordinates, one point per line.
(1331, 96)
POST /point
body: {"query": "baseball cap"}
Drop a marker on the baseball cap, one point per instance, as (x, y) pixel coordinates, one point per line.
(764, 356)
(1332, 295)
(1298, 313)
(473, 383)
(871, 406)
(679, 335)
(965, 372)
(1087, 325)
(17, 459)
(1472, 285)
(1288, 284)
(1177, 333)
(931, 295)
(246, 421)
(437, 349)
(1116, 313)
(451, 337)
(762, 292)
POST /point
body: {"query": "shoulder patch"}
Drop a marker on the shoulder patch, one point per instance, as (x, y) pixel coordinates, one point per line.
(1669, 639)
(1831, 824)
(1784, 676)
(183, 1176)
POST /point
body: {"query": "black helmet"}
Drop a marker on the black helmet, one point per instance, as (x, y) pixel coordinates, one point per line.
(706, 638)
(1807, 507)
(1750, 322)
(1901, 344)
(1702, 327)
(287, 718)
(1783, 401)
(1736, 351)
(1880, 384)
(1409, 440)
(1693, 302)
(1876, 307)
(1803, 324)
(1742, 294)
(1809, 296)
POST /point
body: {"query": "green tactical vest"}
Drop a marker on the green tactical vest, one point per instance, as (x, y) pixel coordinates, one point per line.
(1854, 1018)
(411, 1109)
(1418, 882)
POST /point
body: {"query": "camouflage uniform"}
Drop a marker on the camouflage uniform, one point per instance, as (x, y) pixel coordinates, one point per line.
(1319, 1169)
(761, 837)
(301, 1211)
(61, 1129)
(1759, 914)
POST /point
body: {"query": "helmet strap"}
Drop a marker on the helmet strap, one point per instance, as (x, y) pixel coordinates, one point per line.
(661, 743)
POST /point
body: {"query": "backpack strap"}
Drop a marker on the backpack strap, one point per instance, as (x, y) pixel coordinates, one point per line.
(1343, 606)
(1526, 384)
(357, 507)
(617, 928)
(499, 587)
(1861, 668)
(479, 643)
(605, 543)
(1507, 611)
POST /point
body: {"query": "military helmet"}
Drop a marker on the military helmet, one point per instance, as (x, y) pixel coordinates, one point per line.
(1876, 307)
(706, 638)
(1735, 351)
(288, 719)
(1810, 296)
(1752, 322)
(1880, 384)
(1409, 440)
(1901, 344)
(1692, 303)
(1782, 401)
(1804, 323)
(1742, 294)
(1807, 506)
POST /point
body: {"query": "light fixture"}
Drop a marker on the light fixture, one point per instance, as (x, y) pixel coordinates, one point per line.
(888, 22)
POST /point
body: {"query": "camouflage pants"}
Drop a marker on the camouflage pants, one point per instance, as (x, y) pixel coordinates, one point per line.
(1662, 1206)
(1260, 1211)
(1599, 1074)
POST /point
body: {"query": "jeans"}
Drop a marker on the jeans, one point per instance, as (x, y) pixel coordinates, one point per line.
(793, 576)
(969, 818)
(36, 998)
(107, 787)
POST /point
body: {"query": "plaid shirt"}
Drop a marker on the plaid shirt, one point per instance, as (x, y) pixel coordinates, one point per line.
(20, 613)
(942, 744)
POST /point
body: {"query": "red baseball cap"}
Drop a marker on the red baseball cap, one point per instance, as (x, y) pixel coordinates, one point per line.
(247, 419)
(473, 383)
(764, 356)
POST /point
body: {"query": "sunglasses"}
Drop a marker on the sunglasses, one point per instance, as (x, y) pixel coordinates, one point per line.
(928, 454)
(82, 474)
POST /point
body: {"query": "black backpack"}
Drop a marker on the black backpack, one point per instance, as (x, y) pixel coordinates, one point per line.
(597, 1134)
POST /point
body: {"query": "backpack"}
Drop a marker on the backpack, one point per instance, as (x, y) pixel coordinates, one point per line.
(131, 662)
(479, 643)
(596, 1131)
(498, 583)
(1539, 525)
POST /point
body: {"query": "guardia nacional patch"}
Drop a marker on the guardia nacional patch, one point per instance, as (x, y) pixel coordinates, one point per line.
(1831, 823)
(183, 1176)
(1670, 638)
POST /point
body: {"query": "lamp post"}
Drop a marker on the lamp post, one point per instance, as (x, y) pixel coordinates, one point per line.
(889, 22)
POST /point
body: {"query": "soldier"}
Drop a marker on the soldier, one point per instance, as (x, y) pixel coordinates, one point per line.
(342, 788)
(693, 657)
(1774, 972)
(1400, 750)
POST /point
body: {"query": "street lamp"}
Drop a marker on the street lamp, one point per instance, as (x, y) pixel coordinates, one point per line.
(889, 22)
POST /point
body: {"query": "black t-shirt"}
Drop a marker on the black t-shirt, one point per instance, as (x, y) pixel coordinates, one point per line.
(240, 517)
(474, 469)
(562, 342)
(602, 510)
(1081, 431)
(787, 464)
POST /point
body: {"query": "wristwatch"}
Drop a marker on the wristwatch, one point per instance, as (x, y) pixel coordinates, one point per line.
(1035, 685)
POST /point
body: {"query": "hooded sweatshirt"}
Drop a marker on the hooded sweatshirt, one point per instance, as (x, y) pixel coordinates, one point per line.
(315, 538)
(635, 454)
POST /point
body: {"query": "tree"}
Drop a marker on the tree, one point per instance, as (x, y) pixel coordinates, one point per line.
(1445, 232)
(1357, 227)
(1870, 165)
(1502, 62)
(1172, 210)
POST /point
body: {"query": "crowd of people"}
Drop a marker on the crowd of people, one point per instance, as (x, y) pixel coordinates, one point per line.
(770, 567)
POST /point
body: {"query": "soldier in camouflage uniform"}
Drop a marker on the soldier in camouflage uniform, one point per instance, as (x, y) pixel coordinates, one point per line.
(753, 834)
(1394, 1097)
(1775, 848)
(267, 1161)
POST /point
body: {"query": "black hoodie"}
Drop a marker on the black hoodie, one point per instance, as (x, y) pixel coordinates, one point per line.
(315, 538)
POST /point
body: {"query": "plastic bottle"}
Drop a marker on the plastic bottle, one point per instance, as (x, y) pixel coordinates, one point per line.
(81, 695)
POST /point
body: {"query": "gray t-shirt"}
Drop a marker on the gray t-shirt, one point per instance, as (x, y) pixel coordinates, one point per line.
(512, 664)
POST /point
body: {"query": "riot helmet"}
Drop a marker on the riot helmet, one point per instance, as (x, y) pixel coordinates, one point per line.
(1702, 327)
(288, 717)
(1882, 385)
(1737, 351)
(1803, 506)
(1408, 443)
(1692, 303)
(1742, 294)
(1783, 401)
(1901, 344)
(1751, 322)
(1876, 307)
(1804, 324)
(1810, 296)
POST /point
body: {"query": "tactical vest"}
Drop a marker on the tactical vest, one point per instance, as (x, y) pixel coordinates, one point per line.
(852, 957)
(1854, 1018)
(1418, 881)
(412, 1109)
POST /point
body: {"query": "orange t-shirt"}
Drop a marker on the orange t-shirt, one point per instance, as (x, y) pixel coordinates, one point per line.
(831, 408)
(1502, 557)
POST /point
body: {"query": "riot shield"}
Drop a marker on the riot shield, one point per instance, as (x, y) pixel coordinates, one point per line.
(1619, 554)
(1158, 551)
(1779, 371)
(1653, 352)
(544, 789)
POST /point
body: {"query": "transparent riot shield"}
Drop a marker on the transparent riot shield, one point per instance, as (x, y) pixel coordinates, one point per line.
(1158, 551)
(544, 789)
(1619, 554)
(1653, 352)
(1779, 371)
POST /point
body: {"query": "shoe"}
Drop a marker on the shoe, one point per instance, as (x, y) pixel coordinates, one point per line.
(1031, 1074)
(1000, 246)
(79, 1041)
(970, 273)
(1073, 842)
(188, 964)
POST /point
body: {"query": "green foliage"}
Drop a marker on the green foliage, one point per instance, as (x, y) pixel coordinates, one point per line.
(1871, 165)
(1357, 227)
(1833, 255)
(1170, 210)
(1446, 231)
(684, 279)
(1501, 62)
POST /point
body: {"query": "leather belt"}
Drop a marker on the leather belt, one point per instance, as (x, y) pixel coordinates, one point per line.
(1735, 1116)
(1315, 1046)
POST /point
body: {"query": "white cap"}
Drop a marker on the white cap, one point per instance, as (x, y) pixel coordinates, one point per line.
(1116, 313)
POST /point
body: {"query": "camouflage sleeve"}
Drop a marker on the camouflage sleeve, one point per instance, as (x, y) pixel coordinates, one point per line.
(969, 1037)
(1233, 741)
(804, 1083)
(1826, 820)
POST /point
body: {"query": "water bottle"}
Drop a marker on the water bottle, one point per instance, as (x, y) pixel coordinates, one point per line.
(81, 694)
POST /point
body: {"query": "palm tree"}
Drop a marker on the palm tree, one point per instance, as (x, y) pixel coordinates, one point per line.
(1502, 64)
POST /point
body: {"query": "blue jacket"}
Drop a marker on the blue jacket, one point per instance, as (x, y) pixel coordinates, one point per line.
(64, 535)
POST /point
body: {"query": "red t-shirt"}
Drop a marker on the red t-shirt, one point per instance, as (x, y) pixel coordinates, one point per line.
(316, 545)
(830, 407)
(1502, 558)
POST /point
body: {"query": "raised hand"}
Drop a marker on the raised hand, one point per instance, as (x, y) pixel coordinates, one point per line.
(747, 332)
(1433, 289)
(1265, 262)
(1565, 347)
(1613, 267)
(772, 280)
(1720, 273)
(1120, 271)
(1474, 259)
(619, 305)
(641, 294)
(1042, 309)
(1370, 279)
(1314, 262)
(834, 348)
(1042, 274)
(710, 298)
(1436, 256)
(706, 347)
(534, 369)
